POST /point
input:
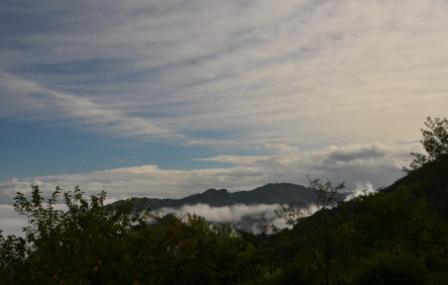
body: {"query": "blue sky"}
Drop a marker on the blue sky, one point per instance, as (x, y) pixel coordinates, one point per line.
(168, 98)
(28, 153)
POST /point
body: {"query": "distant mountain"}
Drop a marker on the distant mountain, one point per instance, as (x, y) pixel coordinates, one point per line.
(275, 193)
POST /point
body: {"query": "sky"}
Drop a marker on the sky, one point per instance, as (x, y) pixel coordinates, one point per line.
(169, 98)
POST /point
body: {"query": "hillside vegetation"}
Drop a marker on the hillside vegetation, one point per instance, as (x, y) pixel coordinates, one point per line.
(398, 236)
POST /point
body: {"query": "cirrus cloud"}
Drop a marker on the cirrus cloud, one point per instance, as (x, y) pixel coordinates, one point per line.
(306, 71)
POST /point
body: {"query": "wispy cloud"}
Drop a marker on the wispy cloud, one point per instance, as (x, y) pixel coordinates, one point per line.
(306, 71)
(236, 159)
(26, 99)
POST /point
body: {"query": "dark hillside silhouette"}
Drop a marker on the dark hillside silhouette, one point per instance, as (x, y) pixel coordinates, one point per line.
(276, 193)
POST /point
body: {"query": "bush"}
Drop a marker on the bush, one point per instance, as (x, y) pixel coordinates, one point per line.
(385, 269)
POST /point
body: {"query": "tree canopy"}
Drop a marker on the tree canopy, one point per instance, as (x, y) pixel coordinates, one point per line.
(434, 142)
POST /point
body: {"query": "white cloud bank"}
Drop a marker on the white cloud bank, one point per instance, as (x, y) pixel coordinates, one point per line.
(379, 164)
(230, 214)
(10, 221)
(257, 219)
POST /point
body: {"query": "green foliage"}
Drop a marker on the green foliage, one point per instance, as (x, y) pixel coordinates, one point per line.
(12, 257)
(323, 256)
(326, 192)
(387, 269)
(70, 244)
(88, 243)
(434, 141)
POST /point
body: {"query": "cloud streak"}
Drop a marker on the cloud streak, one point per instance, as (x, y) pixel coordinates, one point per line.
(39, 103)
(308, 72)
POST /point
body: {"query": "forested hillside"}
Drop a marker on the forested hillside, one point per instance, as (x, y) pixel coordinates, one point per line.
(398, 236)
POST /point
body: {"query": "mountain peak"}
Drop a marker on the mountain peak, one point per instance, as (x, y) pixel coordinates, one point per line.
(281, 186)
(215, 191)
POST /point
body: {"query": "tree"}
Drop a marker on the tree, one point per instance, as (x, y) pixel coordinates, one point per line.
(434, 141)
(87, 242)
(12, 256)
(385, 269)
(326, 198)
(326, 192)
(76, 246)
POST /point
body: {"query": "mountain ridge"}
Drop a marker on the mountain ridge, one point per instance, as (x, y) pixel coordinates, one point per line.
(290, 194)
